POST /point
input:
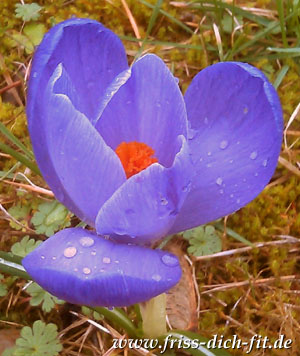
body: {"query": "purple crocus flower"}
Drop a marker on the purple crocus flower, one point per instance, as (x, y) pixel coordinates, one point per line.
(123, 150)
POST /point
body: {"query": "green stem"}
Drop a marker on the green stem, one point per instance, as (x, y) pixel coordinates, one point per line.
(12, 268)
(119, 317)
(18, 156)
(154, 316)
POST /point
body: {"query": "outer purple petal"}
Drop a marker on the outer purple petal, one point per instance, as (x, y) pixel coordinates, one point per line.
(145, 207)
(235, 136)
(82, 268)
(147, 107)
(91, 54)
(87, 169)
(92, 57)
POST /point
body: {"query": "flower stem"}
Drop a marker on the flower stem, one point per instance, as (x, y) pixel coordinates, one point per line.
(154, 316)
(7, 265)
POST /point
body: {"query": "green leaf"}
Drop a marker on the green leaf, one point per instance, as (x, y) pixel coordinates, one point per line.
(19, 212)
(3, 287)
(39, 295)
(25, 246)
(203, 241)
(50, 217)
(28, 12)
(35, 32)
(40, 340)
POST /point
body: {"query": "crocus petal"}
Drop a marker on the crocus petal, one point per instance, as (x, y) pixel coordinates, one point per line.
(84, 165)
(91, 54)
(146, 205)
(235, 135)
(147, 107)
(82, 268)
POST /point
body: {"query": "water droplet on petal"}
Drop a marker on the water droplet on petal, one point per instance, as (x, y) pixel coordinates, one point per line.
(231, 161)
(163, 201)
(256, 174)
(231, 195)
(221, 191)
(70, 252)
(86, 241)
(116, 261)
(75, 269)
(128, 102)
(245, 110)
(42, 257)
(253, 155)
(169, 260)
(209, 153)
(34, 74)
(219, 181)
(93, 253)
(265, 163)
(54, 258)
(86, 270)
(209, 165)
(238, 201)
(156, 277)
(223, 144)
(206, 120)
(106, 260)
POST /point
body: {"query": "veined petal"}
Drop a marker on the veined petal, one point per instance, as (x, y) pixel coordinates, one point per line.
(144, 104)
(86, 170)
(91, 54)
(235, 135)
(83, 268)
(145, 207)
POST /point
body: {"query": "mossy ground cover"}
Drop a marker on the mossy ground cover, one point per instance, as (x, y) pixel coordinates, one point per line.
(246, 292)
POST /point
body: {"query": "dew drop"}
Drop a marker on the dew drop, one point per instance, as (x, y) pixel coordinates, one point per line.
(34, 75)
(86, 270)
(93, 253)
(75, 269)
(158, 105)
(231, 161)
(106, 260)
(265, 163)
(163, 201)
(128, 102)
(156, 277)
(253, 155)
(54, 258)
(116, 261)
(238, 201)
(246, 110)
(86, 241)
(70, 252)
(219, 181)
(231, 195)
(209, 153)
(256, 174)
(223, 144)
(42, 257)
(209, 165)
(206, 120)
(169, 260)
(221, 191)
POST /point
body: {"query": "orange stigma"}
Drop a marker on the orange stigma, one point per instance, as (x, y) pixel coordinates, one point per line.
(135, 157)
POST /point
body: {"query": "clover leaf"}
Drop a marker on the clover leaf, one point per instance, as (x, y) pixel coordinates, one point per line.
(40, 340)
(20, 213)
(203, 241)
(39, 295)
(25, 246)
(28, 12)
(50, 217)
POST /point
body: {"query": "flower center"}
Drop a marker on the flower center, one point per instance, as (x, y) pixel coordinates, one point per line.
(135, 156)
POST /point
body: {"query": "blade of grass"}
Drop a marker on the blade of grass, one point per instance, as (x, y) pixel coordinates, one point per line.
(172, 18)
(14, 269)
(280, 11)
(9, 135)
(150, 26)
(280, 76)
(235, 235)
(208, 5)
(18, 156)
